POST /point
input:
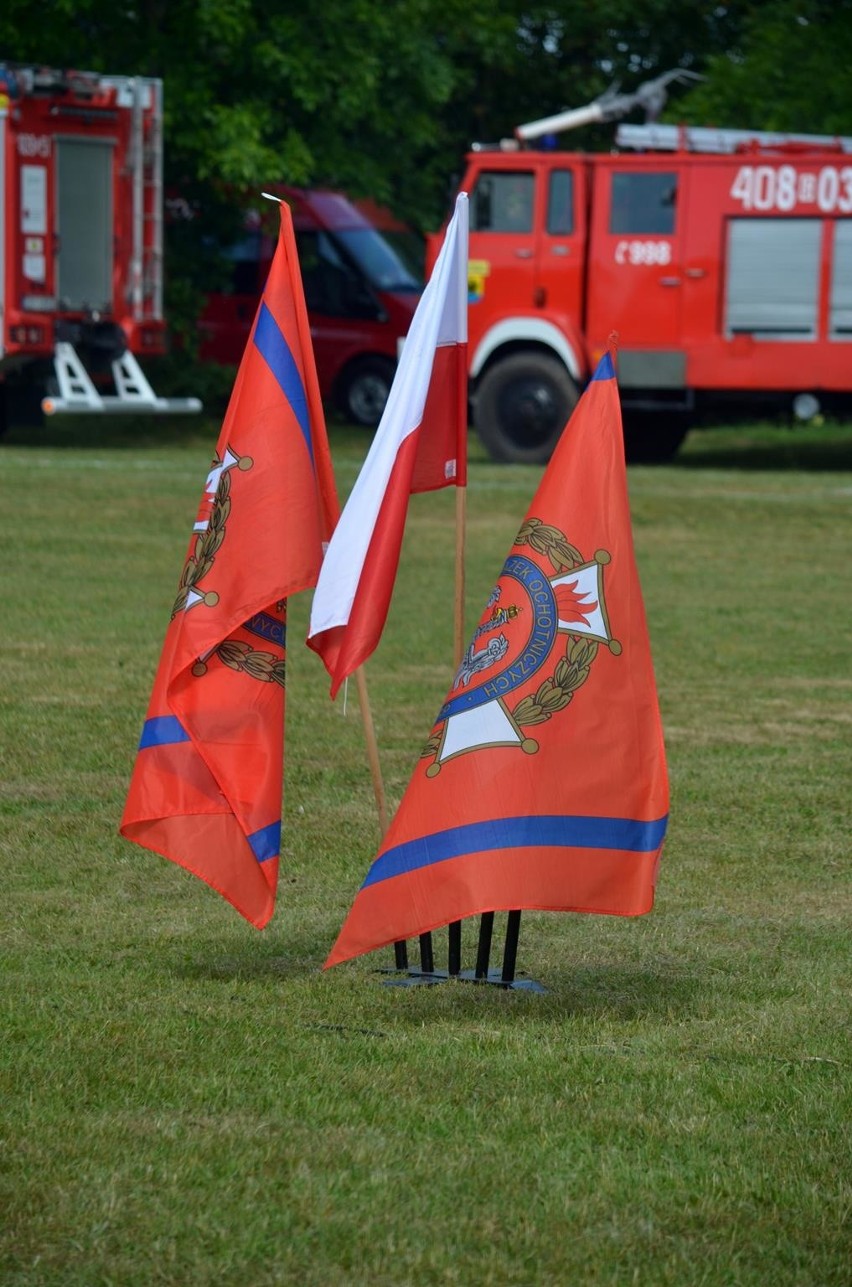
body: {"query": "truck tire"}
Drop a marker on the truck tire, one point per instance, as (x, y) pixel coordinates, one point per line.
(651, 438)
(522, 406)
(364, 388)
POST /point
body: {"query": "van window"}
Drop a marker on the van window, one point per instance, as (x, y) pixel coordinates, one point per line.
(643, 202)
(245, 257)
(502, 202)
(560, 203)
(333, 286)
(380, 260)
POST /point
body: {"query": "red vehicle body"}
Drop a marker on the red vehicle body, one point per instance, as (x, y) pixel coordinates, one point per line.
(81, 237)
(722, 260)
(361, 291)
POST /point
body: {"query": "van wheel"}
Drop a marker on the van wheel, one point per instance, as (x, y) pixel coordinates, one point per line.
(651, 438)
(522, 406)
(364, 389)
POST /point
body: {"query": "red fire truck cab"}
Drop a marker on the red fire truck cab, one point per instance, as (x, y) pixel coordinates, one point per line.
(721, 259)
(361, 290)
(81, 237)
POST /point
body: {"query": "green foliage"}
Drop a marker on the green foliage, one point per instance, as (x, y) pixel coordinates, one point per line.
(383, 100)
(378, 99)
(186, 1102)
(787, 72)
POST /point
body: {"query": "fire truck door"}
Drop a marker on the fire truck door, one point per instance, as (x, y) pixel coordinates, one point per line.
(502, 243)
(636, 273)
(559, 254)
(84, 224)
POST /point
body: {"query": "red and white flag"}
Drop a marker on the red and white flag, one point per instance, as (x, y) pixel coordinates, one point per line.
(420, 445)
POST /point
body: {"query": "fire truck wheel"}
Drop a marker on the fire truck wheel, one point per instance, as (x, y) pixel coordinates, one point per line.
(523, 405)
(364, 388)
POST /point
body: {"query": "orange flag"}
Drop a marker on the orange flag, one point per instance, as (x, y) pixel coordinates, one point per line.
(543, 783)
(207, 784)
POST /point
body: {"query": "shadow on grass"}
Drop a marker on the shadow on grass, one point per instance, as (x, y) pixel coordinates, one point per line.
(619, 992)
(625, 991)
(813, 456)
(151, 432)
(768, 444)
(116, 433)
(739, 443)
(244, 966)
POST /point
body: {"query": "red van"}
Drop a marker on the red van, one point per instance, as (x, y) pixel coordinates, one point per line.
(362, 284)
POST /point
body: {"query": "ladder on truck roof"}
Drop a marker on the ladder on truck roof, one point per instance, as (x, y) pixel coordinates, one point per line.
(700, 138)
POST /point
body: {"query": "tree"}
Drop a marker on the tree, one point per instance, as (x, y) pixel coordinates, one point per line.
(378, 99)
(788, 71)
(384, 99)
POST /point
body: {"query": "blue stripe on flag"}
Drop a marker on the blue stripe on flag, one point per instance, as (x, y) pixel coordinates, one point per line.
(274, 349)
(265, 626)
(266, 843)
(162, 730)
(557, 831)
(605, 369)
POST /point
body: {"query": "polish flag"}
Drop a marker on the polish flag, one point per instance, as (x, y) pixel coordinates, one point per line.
(419, 446)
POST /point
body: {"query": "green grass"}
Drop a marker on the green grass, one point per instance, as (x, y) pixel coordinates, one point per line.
(186, 1101)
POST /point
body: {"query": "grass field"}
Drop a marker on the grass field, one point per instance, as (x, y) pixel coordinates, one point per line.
(188, 1102)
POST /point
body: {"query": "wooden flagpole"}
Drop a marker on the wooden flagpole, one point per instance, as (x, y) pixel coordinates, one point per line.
(458, 620)
(454, 928)
(360, 679)
(400, 949)
(372, 748)
(427, 961)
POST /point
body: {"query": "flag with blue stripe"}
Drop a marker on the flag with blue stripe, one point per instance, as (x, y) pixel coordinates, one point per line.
(207, 783)
(543, 783)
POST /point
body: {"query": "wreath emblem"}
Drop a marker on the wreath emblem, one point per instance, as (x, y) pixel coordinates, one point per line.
(210, 529)
(243, 658)
(548, 604)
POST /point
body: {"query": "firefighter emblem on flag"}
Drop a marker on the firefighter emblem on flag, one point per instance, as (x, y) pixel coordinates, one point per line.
(547, 613)
(209, 529)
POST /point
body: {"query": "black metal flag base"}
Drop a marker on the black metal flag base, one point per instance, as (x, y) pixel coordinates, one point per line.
(426, 974)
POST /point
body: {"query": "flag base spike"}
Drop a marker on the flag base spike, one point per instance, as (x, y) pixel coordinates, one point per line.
(414, 978)
(494, 978)
(411, 976)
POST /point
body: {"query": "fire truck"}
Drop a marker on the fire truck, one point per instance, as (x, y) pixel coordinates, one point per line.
(722, 259)
(81, 276)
